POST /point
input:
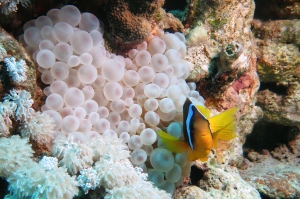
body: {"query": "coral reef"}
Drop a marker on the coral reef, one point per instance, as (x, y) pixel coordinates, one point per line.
(129, 22)
(281, 109)
(17, 70)
(221, 50)
(286, 9)
(32, 181)
(8, 6)
(16, 105)
(272, 177)
(15, 51)
(167, 21)
(104, 142)
(278, 64)
(72, 155)
(14, 153)
(217, 181)
(39, 127)
(88, 179)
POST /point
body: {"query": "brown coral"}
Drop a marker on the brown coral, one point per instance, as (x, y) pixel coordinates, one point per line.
(15, 49)
(129, 21)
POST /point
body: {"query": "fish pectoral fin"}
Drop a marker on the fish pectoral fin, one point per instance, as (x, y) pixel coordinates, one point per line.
(172, 143)
(193, 155)
(203, 159)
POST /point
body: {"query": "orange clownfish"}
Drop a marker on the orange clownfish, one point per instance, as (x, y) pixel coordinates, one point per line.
(201, 132)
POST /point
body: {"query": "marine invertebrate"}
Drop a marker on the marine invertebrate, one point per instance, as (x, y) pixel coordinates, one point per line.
(88, 179)
(132, 184)
(14, 153)
(39, 127)
(230, 58)
(48, 163)
(16, 105)
(129, 22)
(16, 70)
(32, 180)
(19, 103)
(107, 117)
(72, 155)
(8, 6)
(109, 146)
(5, 121)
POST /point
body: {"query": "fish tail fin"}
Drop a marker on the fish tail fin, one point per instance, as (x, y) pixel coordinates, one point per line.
(172, 143)
(223, 126)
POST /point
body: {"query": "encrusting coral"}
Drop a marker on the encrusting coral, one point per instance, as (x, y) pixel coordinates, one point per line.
(129, 21)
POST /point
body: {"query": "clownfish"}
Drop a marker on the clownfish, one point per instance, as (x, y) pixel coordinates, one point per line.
(201, 132)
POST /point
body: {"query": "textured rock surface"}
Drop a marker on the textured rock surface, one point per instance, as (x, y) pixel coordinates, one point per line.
(218, 181)
(281, 109)
(223, 60)
(286, 8)
(272, 177)
(278, 53)
(279, 64)
(129, 21)
(167, 21)
(190, 192)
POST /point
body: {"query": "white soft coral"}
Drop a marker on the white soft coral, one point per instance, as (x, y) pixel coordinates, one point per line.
(74, 156)
(116, 173)
(16, 69)
(14, 153)
(109, 146)
(39, 127)
(18, 104)
(122, 180)
(33, 181)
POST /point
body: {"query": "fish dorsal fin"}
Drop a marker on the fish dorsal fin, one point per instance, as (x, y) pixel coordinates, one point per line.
(204, 111)
(172, 143)
(223, 125)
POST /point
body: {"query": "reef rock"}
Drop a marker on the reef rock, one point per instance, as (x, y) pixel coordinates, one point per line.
(223, 60)
(129, 22)
(218, 181)
(15, 52)
(279, 65)
(272, 177)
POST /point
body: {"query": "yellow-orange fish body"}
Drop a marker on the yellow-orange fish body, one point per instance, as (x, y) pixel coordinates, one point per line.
(201, 132)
